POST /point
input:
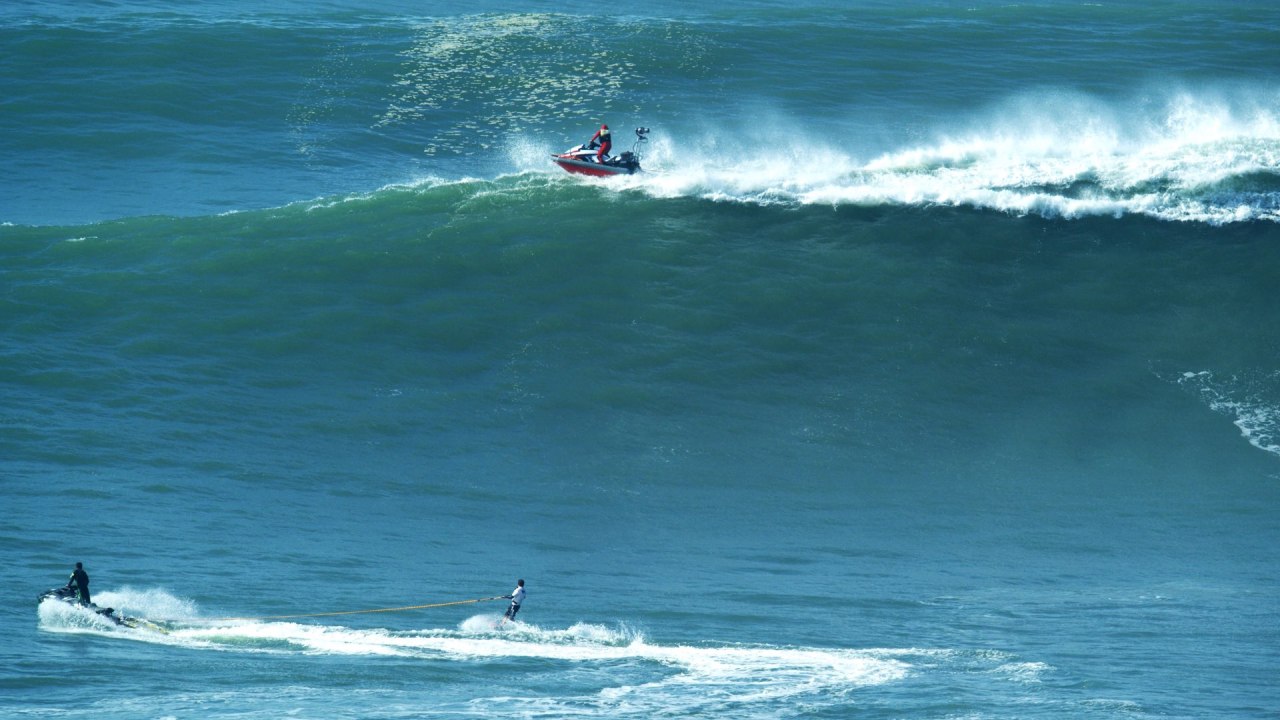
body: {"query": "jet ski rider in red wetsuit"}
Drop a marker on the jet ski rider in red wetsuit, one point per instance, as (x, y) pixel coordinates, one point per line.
(605, 141)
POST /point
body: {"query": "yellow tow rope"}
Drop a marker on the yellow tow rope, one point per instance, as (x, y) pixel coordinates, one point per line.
(360, 612)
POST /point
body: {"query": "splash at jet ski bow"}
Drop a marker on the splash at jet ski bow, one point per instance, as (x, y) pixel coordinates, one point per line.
(68, 596)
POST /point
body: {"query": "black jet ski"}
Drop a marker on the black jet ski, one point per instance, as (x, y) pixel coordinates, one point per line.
(68, 595)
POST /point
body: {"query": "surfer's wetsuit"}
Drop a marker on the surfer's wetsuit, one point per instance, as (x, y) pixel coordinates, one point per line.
(80, 579)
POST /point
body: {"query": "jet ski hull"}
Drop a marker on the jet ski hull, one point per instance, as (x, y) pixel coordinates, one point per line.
(577, 163)
(593, 168)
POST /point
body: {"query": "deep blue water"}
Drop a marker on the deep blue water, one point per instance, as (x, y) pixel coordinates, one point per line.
(928, 370)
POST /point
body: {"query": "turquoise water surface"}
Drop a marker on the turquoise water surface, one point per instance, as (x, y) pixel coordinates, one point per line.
(928, 370)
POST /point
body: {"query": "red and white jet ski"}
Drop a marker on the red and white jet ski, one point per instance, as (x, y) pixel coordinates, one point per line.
(581, 160)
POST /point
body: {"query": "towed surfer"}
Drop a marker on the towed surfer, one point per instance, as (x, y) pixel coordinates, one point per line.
(80, 583)
(516, 597)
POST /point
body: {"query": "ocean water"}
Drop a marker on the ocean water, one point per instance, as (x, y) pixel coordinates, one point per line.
(930, 369)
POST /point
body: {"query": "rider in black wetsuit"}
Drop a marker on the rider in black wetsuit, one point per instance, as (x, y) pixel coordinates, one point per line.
(80, 579)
